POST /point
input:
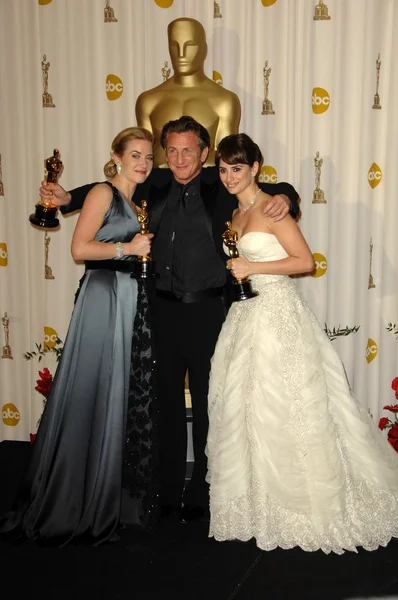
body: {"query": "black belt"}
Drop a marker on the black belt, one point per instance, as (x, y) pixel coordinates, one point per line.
(189, 297)
(127, 266)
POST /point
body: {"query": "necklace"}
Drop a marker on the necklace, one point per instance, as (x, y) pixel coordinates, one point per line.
(252, 201)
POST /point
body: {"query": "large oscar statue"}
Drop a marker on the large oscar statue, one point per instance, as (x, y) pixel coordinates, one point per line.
(145, 266)
(188, 92)
(45, 212)
(242, 287)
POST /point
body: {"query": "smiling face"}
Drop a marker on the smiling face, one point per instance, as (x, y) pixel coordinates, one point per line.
(187, 46)
(136, 161)
(184, 156)
(237, 178)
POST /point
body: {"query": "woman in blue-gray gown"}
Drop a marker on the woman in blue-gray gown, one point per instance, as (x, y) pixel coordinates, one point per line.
(93, 462)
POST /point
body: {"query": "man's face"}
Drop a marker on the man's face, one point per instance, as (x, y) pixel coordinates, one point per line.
(187, 48)
(184, 156)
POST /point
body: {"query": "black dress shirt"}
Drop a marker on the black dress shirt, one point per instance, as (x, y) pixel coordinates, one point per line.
(203, 267)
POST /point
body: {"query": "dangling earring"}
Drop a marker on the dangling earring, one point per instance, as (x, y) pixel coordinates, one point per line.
(118, 168)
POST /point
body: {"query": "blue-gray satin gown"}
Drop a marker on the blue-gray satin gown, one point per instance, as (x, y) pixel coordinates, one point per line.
(93, 462)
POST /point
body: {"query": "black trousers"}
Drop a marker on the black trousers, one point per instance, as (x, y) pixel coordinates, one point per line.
(186, 336)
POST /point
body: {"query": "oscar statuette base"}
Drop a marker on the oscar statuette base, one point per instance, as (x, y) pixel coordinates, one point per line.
(47, 100)
(319, 197)
(145, 269)
(7, 352)
(44, 216)
(242, 290)
(267, 108)
(376, 102)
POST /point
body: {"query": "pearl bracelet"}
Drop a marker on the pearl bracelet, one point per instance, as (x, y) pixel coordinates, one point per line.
(119, 250)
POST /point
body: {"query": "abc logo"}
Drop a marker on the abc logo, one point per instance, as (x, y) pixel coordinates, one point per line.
(217, 77)
(3, 255)
(268, 2)
(50, 337)
(164, 3)
(268, 175)
(371, 350)
(374, 175)
(321, 265)
(114, 87)
(320, 100)
(11, 415)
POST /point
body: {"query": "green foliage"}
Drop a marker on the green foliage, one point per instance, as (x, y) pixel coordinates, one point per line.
(340, 332)
(393, 329)
(42, 350)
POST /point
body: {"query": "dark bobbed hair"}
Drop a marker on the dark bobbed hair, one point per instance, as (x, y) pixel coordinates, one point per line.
(185, 124)
(238, 149)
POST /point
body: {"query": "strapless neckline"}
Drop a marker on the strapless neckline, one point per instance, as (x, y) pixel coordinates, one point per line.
(251, 232)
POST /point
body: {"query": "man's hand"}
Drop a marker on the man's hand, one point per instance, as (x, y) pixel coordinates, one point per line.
(53, 193)
(277, 207)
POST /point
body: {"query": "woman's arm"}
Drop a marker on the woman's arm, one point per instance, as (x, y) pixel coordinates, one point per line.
(84, 246)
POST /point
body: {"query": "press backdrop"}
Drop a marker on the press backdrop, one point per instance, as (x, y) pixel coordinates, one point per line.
(324, 76)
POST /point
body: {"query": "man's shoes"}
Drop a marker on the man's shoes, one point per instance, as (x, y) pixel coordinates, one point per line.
(191, 512)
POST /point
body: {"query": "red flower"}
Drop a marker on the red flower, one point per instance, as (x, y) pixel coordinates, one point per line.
(394, 384)
(384, 421)
(391, 407)
(44, 383)
(32, 437)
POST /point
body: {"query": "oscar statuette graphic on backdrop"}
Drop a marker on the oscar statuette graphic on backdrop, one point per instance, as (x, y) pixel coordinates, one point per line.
(47, 99)
(44, 215)
(109, 14)
(6, 353)
(318, 195)
(48, 272)
(371, 284)
(166, 71)
(242, 287)
(267, 104)
(321, 12)
(1, 180)
(376, 97)
(217, 12)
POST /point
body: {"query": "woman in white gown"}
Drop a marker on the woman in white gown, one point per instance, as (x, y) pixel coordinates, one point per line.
(293, 457)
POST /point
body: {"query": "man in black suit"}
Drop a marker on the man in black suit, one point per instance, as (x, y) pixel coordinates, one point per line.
(188, 208)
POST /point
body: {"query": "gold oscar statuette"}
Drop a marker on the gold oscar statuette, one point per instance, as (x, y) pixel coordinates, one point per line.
(267, 104)
(318, 195)
(45, 212)
(47, 99)
(109, 14)
(212, 105)
(217, 13)
(370, 281)
(321, 12)
(376, 97)
(145, 266)
(242, 287)
(7, 353)
(1, 180)
(48, 272)
(166, 71)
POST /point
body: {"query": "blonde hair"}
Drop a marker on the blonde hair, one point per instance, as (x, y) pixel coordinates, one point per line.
(119, 146)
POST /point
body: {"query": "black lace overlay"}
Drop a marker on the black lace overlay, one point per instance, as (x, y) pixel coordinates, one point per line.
(140, 501)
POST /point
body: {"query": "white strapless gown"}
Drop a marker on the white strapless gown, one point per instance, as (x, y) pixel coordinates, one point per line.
(293, 457)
